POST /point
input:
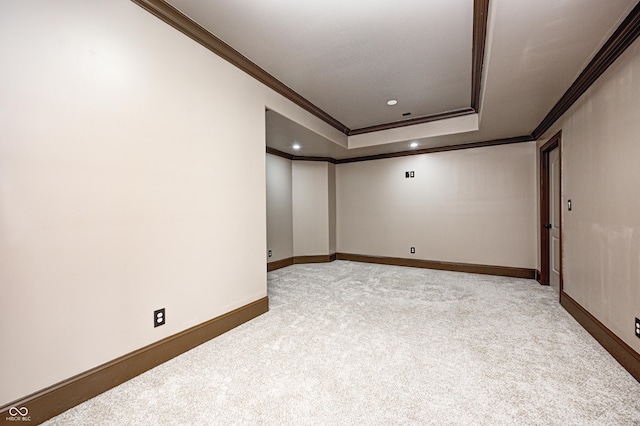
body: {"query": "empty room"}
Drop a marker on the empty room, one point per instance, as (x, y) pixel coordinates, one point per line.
(320, 212)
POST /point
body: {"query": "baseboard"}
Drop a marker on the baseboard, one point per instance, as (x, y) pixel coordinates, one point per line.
(325, 258)
(623, 353)
(278, 264)
(300, 260)
(58, 398)
(504, 271)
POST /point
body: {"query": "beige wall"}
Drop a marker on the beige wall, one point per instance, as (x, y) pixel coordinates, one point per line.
(279, 208)
(310, 208)
(601, 175)
(331, 170)
(471, 206)
(301, 208)
(132, 177)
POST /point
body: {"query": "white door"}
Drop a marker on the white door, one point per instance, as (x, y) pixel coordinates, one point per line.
(554, 216)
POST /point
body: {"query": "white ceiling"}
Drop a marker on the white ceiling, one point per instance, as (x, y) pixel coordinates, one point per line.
(349, 57)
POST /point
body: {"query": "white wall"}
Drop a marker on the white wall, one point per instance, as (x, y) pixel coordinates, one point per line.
(132, 177)
(472, 206)
(601, 175)
(279, 208)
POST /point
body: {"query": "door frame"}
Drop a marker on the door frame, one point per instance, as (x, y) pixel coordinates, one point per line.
(545, 192)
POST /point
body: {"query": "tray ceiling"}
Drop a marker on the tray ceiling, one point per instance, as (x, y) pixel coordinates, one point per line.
(349, 58)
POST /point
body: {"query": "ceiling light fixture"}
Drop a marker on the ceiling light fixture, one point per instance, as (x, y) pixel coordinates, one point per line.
(392, 102)
(414, 144)
(296, 146)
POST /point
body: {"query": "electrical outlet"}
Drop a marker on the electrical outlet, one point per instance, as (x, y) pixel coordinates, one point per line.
(638, 327)
(413, 250)
(159, 317)
(270, 253)
(406, 175)
(412, 174)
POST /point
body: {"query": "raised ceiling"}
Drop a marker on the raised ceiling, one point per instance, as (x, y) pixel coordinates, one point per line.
(348, 58)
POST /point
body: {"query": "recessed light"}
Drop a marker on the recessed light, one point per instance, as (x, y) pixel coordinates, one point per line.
(414, 144)
(296, 146)
(392, 102)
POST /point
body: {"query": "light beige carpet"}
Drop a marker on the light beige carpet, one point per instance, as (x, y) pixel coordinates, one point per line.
(355, 344)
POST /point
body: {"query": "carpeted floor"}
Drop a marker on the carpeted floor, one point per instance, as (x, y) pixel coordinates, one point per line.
(349, 343)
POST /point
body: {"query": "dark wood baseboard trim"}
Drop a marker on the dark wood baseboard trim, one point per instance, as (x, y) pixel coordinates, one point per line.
(623, 353)
(323, 258)
(58, 398)
(538, 276)
(279, 264)
(300, 260)
(504, 271)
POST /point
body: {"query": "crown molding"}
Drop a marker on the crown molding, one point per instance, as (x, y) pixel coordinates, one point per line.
(417, 120)
(480, 17)
(282, 154)
(493, 142)
(617, 44)
(172, 16)
(279, 153)
(619, 41)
